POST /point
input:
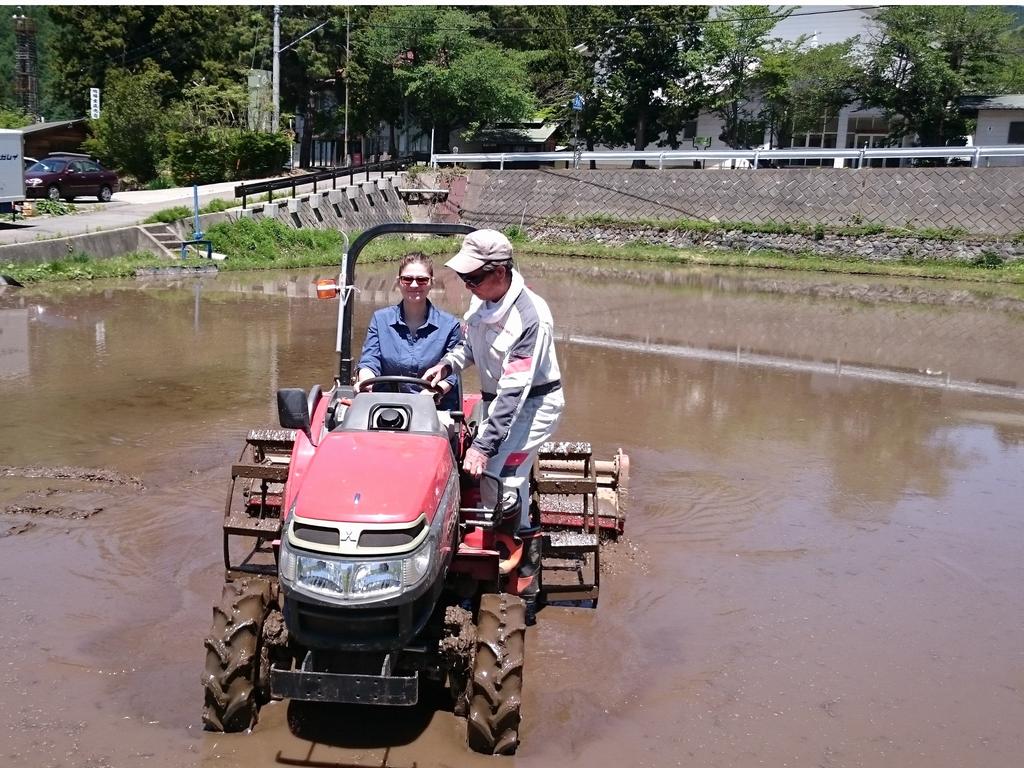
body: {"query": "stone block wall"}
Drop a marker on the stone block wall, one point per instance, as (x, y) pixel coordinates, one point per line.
(358, 207)
(983, 201)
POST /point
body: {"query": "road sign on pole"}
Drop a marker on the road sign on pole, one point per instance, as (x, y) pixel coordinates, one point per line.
(94, 103)
(577, 103)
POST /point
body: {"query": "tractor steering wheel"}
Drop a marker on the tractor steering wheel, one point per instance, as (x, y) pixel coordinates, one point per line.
(421, 383)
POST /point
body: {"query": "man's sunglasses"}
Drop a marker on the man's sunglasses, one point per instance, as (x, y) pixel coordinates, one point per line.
(414, 279)
(473, 279)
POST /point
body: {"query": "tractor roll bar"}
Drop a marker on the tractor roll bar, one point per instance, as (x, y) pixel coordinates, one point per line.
(348, 264)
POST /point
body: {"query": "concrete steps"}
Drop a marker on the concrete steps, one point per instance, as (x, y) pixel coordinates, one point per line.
(166, 237)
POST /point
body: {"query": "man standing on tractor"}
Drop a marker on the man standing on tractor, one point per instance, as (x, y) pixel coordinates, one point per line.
(509, 335)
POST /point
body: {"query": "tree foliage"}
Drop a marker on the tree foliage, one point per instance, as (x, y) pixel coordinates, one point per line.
(730, 63)
(191, 43)
(801, 85)
(438, 63)
(924, 58)
(643, 70)
(639, 69)
(130, 131)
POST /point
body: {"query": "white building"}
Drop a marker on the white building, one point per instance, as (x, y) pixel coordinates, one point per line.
(1000, 122)
(852, 128)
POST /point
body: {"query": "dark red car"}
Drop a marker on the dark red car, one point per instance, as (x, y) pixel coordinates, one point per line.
(66, 175)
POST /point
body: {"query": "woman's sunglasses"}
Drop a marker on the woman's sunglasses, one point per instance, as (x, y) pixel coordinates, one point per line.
(414, 279)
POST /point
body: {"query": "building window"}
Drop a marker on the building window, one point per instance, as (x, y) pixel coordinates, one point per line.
(688, 130)
(821, 134)
(1016, 134)
(750, 133)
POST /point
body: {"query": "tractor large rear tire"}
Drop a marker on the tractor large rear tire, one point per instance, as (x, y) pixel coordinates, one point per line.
(497, 686)
(233, 656)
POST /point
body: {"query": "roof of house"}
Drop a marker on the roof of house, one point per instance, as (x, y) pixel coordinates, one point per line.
(530, 132)
(35, 127)
(1004, 101)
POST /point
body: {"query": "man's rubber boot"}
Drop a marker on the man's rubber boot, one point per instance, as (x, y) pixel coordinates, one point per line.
(528, 573)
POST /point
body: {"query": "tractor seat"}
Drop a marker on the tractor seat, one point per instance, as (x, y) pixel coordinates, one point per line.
(391, 412)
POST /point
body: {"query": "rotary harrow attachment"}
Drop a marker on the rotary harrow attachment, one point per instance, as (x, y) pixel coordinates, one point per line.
(577, 492)
(252, 513)
(582, 502)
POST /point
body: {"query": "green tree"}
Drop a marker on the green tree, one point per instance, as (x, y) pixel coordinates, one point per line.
(1009, 75)
(544, 38)
(638, 70)
(730, 63)
(130, 132)
(800, 86)
(438, 63)
(312, 70)
(14, 118)
(474, 89)
(192, 43)
(375, 91)
(924, 58)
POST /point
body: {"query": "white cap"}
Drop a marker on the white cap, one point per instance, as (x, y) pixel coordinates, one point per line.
(479, 248)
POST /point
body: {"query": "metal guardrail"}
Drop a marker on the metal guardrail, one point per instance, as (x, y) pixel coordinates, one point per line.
(245, 190)
(752, 156)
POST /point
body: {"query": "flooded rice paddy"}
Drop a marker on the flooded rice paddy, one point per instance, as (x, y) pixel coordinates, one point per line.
(825, 541)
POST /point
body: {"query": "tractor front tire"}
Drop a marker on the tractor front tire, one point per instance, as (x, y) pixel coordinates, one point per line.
(497, 686)
(233, 656)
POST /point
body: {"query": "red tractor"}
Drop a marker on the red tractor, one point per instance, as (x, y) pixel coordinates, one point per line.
(361, 563)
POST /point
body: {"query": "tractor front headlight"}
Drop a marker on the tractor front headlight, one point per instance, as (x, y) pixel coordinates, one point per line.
(287, 563)
(417, 566)
(320, 575)
(376, 579)
(352, 580)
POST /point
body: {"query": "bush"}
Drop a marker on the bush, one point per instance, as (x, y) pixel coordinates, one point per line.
(168, 215)
(160, 182)
(257, 154)
(196, 158)
(54, 207)
(268, 240)
(216, 206)
(209, 156)
(988, 260)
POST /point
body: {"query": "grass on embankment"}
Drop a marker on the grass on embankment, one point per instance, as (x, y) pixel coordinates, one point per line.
(267, 244)
(805, 262)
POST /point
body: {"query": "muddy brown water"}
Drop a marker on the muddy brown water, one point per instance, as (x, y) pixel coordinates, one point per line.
(825, 544)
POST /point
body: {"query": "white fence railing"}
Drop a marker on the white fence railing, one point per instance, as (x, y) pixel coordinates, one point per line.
(752, 157)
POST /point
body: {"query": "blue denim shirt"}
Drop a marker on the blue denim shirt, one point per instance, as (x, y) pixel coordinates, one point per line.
(391, 349)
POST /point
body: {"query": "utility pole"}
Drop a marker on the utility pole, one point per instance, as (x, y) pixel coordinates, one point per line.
(274, 125)
(347, 29)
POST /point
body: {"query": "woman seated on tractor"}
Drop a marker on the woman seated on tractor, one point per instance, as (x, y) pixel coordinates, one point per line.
(408, 338)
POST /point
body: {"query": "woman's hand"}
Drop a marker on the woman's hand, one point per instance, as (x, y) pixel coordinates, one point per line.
(361, 375)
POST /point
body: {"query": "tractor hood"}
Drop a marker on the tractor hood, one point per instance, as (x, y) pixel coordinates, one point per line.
(375, 477)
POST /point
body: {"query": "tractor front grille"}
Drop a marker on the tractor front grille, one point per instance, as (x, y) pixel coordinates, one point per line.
(323, 626)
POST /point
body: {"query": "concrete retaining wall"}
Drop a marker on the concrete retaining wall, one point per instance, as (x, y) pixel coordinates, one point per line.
(99, 245)
(348, 209)
(984, 201)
